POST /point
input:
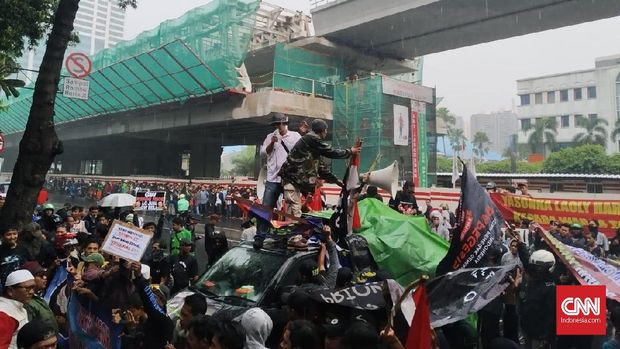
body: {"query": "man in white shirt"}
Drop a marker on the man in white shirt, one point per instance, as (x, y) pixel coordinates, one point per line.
(18, 290)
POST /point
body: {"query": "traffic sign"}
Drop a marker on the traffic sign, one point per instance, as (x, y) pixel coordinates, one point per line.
(78, 65)
(1, 142)
(76, 88)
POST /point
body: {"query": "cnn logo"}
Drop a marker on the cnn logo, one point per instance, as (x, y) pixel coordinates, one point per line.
(580, 310)
(577, 306)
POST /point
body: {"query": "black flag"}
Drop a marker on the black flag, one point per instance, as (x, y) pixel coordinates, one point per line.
(478, 227)
(455, 295)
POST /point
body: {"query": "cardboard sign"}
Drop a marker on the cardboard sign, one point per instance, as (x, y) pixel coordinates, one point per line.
(150, 200)
(126, 241)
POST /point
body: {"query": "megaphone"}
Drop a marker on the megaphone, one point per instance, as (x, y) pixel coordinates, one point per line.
(385, 178)
(260, 182)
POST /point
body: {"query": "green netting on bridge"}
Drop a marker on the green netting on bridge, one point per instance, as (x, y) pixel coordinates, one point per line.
(362, 110)
(191, 56)
(304, 71)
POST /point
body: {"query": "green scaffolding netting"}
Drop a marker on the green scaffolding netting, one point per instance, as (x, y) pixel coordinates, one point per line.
(305, 71)
(362, 110)
(194, 55)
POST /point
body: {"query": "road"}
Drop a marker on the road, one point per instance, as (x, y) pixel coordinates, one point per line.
(231, 227)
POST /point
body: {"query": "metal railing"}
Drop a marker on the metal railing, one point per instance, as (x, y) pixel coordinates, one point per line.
(303, 85)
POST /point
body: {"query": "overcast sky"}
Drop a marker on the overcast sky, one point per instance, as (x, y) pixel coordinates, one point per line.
(475, 79)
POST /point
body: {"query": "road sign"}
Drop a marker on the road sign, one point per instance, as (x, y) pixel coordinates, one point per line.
(1, 142)
(76, 88)
(78, 65)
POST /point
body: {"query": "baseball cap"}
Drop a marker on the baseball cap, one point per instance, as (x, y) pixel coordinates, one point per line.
(34, 267)
(186, 242)
(278, 118)
(96, 258)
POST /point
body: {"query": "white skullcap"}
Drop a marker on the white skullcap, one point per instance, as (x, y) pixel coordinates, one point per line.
(435, 214)
(145, 270)
(18, 276)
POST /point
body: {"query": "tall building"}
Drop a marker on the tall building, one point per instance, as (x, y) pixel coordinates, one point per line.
(99, 23)
(498, 126)
(592, 93)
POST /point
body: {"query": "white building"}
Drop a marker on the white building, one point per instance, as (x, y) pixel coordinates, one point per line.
(498, 126)
(99, 23)
(593, 93)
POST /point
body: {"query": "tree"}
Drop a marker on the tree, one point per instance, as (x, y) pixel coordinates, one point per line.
(23, 23)
(40, 143)
(9, 86)
(542, 134)
(457, 139)
(588, 159)
(480, 144)
(504, 166)
(243, 162)
(446, 116)
(615, 133)
(595, 131)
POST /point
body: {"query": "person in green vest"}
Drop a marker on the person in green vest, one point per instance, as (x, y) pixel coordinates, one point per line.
(178, 233)
(37, 307)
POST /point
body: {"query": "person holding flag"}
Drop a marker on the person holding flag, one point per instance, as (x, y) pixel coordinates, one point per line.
(304, 165)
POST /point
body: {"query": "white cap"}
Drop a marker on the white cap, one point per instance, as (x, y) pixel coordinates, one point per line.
(435, 214)
(145, 270)
(129, 218)
(18, 276)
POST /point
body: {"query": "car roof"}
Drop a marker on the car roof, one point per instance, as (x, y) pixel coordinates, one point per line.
(281, 251)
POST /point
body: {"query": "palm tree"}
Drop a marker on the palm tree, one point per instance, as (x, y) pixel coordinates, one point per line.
(595, 131)
(457, 139)
(480, 144)
(615, 133)
(448, 119)
(543, 134)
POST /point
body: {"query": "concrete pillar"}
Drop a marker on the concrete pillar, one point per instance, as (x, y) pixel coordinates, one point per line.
(205, 160)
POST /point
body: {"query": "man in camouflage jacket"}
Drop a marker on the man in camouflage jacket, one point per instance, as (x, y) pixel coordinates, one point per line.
(304, 165)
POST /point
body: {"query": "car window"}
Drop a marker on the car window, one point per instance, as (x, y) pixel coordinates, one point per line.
(242, 272)
(291, 275)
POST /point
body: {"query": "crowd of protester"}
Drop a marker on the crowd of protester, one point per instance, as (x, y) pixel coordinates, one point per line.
(33, 315)
(199, 199)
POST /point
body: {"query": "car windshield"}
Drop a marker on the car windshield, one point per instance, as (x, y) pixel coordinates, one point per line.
(241, 273)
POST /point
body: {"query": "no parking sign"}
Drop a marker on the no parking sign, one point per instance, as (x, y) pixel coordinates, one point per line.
(78, 65)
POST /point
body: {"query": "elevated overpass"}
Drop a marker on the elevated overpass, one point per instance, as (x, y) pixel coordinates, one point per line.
(412, 28)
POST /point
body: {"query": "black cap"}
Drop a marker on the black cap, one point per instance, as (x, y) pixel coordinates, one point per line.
(278, 118)
(186, 242)
(33, 332)
(318, 126)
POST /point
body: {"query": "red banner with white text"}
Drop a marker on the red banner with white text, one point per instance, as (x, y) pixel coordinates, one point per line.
(544, 210)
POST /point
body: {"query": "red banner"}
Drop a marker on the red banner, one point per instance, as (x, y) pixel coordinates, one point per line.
(544, 210)
(415, 149)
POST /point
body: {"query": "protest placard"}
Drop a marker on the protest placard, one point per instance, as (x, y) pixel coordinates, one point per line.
(126, 241)
(150, 200)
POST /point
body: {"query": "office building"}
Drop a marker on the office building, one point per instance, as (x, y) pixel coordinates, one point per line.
(592, 93)
(498, 126)
(99, 23)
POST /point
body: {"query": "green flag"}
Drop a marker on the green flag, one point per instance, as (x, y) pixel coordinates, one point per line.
(403, 245)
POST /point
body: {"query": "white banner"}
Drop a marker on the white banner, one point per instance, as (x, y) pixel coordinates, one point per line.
(401, 125)
(407, 90)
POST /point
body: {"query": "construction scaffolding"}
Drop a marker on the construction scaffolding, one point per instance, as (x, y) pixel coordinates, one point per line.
(191, 56)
